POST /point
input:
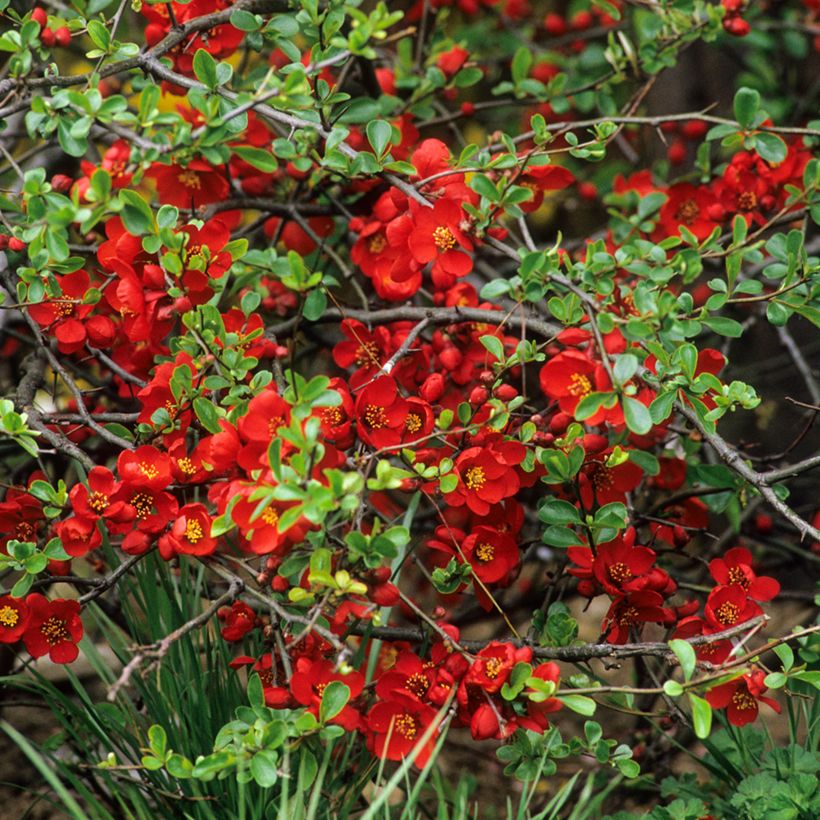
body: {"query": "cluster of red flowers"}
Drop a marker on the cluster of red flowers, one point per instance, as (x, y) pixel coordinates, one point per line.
(409, 690)
(749, 187)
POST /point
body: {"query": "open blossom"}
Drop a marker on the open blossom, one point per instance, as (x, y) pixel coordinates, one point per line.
(740, 698)
(395, 727)
(486, 476)
(54, 628)
(735, 568)
(14, 618)
(190, 533)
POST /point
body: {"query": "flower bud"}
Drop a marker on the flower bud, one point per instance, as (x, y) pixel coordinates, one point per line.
(505, 392)
(432, 389)
(478, 396)
(62, 36)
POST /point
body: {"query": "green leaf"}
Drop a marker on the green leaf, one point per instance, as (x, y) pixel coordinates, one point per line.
(315, 305)
(724, 326)
(334, 699)
(636, 415)
(771, 147)
(673, 688)
(264, 768)
(701, 716)
(494, 346)
(379, 134)
(746, 105)
(205, 68)
(685, 653)
(786, 655)
(265, 161)
(556, 511)
(579, 703)
(244, 20)
(207, 414)
(661, 407)
(136, 214)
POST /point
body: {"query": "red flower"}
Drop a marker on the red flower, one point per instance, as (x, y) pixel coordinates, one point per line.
(539, 706)
(396, 727)
(571, 376)
(54, 628)
(115, 161)
(365, 349)
(436, 236)
(617, 566)
(633, 610)
(727, 606)
(310, 677)
(14, 618)
(486, 475)
(190, 534)
(687, 205)
(192, 186)
(408, 676)
(381, 414)
(491, 554)
(239, 620)
(714, 652)
(103, 498)
(604, 484)
(67, 318)
(78, 535)
(492, 666)
(740, 697)
(735, 568)
(146, 468)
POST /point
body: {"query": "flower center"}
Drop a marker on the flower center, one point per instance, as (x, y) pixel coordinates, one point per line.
(98, 502)
(687, 212)
(474, 478)
(64, 309)
(9, 616)
(747, 201)
(377, 243)
(275, 423)
(743, 700)
(727, 613)
(412, 423)
(738, 576)
(493, 667)
(142, 503)
(186, 465)
(444, 239)
(189, 179)
(417, 684)
(485, 552)
(148, 470)
(375, 417)
(602, 478)
(579, 385)
(270, 516)
(620, 572)
(368, 353)
(406, 726)
(193, 531)
(628, 616)
(54, 630)
(332, 416)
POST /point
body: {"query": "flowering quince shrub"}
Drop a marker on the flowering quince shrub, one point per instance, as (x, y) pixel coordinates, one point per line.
(376, 376)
